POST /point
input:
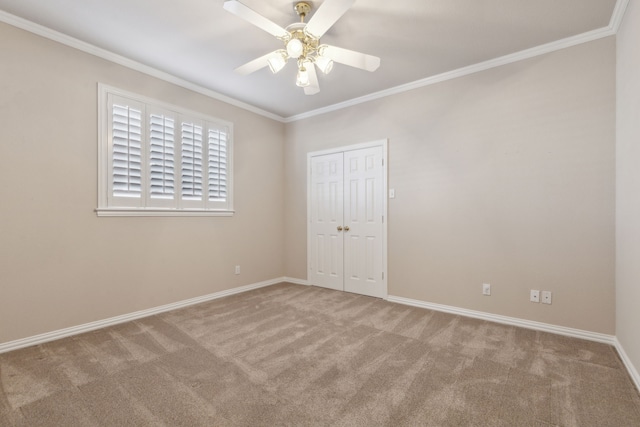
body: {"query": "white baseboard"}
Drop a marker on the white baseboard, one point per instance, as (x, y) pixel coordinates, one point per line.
(514, 321)
(74, 330)
(633, 372)
(91, 326)
(529, 324)
(295, 281)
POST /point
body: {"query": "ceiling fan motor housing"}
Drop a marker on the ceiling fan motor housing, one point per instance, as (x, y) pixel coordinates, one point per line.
(309, 44)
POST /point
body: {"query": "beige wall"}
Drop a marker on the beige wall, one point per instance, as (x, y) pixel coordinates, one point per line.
(61, 265)
(505, 176)
(628, 185)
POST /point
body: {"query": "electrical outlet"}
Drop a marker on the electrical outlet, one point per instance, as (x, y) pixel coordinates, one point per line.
(237, 269)
(486, 289)
(534, 296)
(546, 297)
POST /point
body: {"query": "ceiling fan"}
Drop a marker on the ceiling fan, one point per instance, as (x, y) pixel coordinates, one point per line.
(302, 42)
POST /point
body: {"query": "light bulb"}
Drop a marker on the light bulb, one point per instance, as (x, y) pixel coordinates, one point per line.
(277, 61)
(325, 64)
(294, 48)
(302, 79)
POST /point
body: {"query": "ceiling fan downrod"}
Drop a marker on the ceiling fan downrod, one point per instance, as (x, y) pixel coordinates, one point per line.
(302, 9)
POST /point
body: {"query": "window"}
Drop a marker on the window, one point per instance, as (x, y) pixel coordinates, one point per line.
(157, 159)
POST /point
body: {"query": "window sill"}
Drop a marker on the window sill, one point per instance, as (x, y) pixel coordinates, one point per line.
(160, 212)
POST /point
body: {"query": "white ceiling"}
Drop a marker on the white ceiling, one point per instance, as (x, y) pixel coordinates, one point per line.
(199, 42)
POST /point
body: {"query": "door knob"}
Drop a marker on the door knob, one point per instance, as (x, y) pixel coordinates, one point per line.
(346, 228)
(339, 228)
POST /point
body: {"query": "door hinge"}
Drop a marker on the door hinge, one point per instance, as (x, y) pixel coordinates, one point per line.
(383, 275)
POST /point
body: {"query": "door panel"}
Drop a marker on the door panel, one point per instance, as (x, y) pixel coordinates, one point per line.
(326, 258)
(363, 240)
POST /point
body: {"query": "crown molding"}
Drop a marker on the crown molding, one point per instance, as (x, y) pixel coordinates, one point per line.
(618, 15)
(614, 24)
(64, 39)
(475, 68)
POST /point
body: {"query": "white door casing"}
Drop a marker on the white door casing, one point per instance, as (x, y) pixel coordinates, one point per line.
(346, 210)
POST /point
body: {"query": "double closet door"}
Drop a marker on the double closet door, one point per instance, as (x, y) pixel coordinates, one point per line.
(347, 206)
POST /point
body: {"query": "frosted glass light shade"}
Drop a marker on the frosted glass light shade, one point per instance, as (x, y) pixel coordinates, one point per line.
(325, 64)
(294, 48)
(303, 77)
(277, 61)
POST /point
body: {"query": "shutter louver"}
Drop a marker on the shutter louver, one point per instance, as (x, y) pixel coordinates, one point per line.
(191, 162)
(161, 157)
(157, 159)
(217, 165)
(127, 151)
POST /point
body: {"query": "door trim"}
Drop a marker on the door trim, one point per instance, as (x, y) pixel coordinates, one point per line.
(377, 143)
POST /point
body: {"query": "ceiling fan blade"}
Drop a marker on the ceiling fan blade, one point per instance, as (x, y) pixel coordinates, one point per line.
(327, 15)
(352, 58)
(254, 65)
(313, 87)
(255, 18)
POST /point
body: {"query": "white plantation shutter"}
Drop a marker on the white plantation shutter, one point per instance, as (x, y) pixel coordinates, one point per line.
(126, 151)
(191, 154)
(217, 153)
(157, 159)
(161, 157)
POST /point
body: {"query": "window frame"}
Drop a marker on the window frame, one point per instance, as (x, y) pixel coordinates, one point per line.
(145, 205)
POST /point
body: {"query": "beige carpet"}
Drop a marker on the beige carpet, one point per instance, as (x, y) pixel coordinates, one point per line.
(301, 356)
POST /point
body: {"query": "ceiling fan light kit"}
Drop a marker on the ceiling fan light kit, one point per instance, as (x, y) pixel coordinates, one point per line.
(302, 79)
(324, 64)
(302, 43)
(295, 48)
(277, 60)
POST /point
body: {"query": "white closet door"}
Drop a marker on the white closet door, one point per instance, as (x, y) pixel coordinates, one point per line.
(326, 221)
(346, 209)
(363, 216)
